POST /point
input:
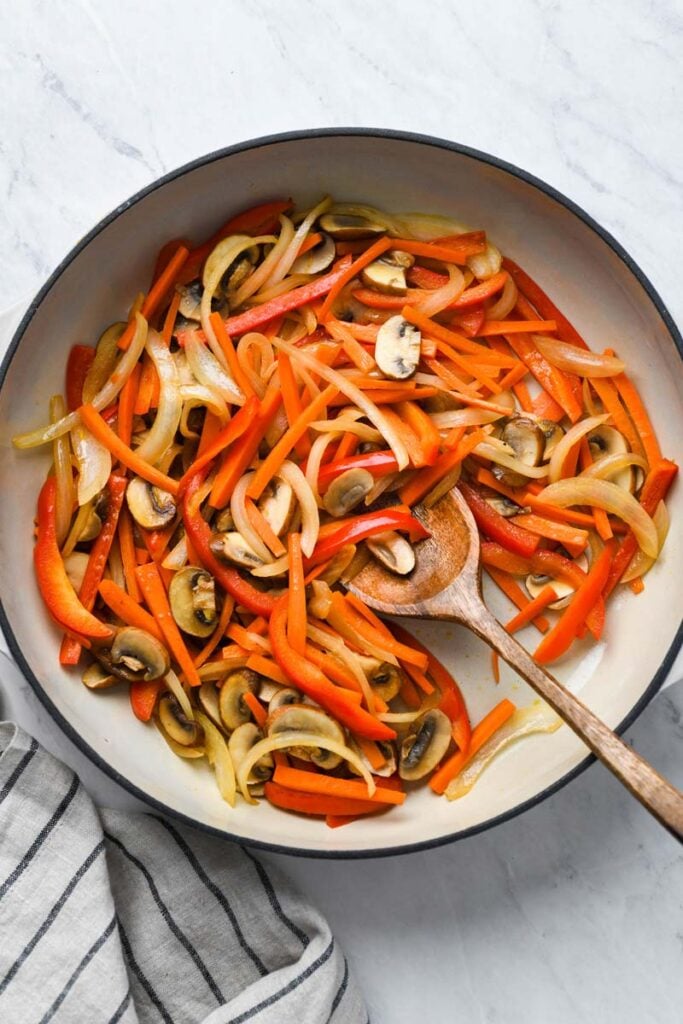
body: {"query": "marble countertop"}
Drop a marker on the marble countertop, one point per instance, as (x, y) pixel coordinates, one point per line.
(571, 912)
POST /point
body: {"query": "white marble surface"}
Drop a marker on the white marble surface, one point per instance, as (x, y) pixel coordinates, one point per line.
(572, 912)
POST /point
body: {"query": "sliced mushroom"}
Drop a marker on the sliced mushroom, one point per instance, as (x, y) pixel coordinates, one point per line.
(347, 490)
(239, 270)
(397, 349)
(386, 681)
(224, 521)
(234, 712)
(349, 226)
(425, 744)
(277, 506)
(303, 717)
(240, 743)
(208, 698)
(149, 506)
(553, 434)
(527, 441)
(338, 565)
(232, 547)
(536, 582)
(388, 751)
(385, 277)
(192, 595)
(393, 551)
(285, 696)
(75, 564)
(96, 677)
(91, 529)
(317, 259)
(605, 440)
(174, 721)
(134, 655)
(190, 299)
(504, 506)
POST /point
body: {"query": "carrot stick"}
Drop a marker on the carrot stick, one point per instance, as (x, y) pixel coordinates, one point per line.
(335, 810)
(170, 318)
(218, 633)
(268, 668)
(531, 291)
(514, 377)
(155, 597)
(455, 340)
(277, 455)
(557, 383)
(514, 326)
(480, 734)
(515, 594)
(296, 609)
(245, 638)
(127, 401)
(634, 403)
(228, 348)
(602, 524)
(256, 707)
(380, 246)
(310, 242)
(561, 636)
(260, 524)
(292, 401)
(420, 485)
(435, 251)
(534, 608)
(355, 624)
(237, 426)
(329, 785)
(96, 425)
(465, 363)
(573, 538)
(143, 401)
(609, 396)
(241, 455)
(371, 752)
(156, 293)
(123, 605)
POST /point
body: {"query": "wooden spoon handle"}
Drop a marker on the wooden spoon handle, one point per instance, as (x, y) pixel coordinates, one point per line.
(662, 799)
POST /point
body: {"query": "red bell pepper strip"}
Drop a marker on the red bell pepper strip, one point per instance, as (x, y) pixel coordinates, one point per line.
(53, 582)
(495, 526)
(561, 636)
(364, 526)
(480, 292)
(199, 535)
(143, 697)
(77, 366)
(311, 681)
(377, 463)
(470, 321)
(263, 314)
(321, 806)
(544, 306)
(70, 650)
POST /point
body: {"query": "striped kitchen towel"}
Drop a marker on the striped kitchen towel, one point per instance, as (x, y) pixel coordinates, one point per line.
(110, 917)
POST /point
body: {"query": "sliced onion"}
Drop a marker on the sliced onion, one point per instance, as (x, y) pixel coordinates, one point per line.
(281, 288)
(218, 756)
(642, 563)
(610, 465)
(355, 394)
(336, 646)
(503, 455)
(102, 399)
(440, 298)
(166, 421)
(577, 360)
(177, 556)
(209, 371)
(64, 479)
(178, 691)
(115, 565)
(588, 399)
(294, 738)
(276, 568)
(580, 490)
(238, 511)
(106, 357)
(463, 418)
(536, 718)
(315, 458)
(310, 518)
(345, 425)
(259, 276)
(94, 463)
(382, 484)
(394, 225)
(505, 303)
(485, 264)
(196, 395)
(562, 449)
(263, 348)
(284, 264)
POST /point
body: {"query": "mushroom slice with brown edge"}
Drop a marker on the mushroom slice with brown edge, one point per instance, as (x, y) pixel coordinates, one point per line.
(234, 712)
(149, 506)
(536, 582)
(393, 551)
(190, 300)
(527, 441)
(192, 595)
(224, 521)
(134, 655)
(388, 752)
(388, 273)
(386, 681)
(397, 349)
(238, 271)
(347, 490)
(175, 723)
(277, 506)
(75, 564)
(304, 718)
(285, 696)
(208, 698)
(240, 743)
(232, 547)
(553, 434)
(96, 677)
(505, 507)
(425, 744)
(317, 259)
(605, 440)
(348, 226)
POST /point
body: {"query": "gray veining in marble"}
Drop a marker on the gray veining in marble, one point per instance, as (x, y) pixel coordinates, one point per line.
(572, 912)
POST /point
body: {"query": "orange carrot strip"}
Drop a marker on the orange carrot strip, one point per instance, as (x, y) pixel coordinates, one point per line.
(210, 429)
(241, 455)
(225, 342)
(641, 420)
(317, 782)
(609, 396)
(419, 678)
(262, 527)
(561, 636)
(157, 601)
(123, 605)
(455, 340)
(170, 318)
(548, 376)
(434, 251)
(292, 401)
(268, 668)
(310, 242)
(127, 401)
(277, 455)
(514, 326)
(539, 604)
(257, 709)
(602, 524)
(245, 638)
(218, 633)
(355, 623)
(296, 609)
(515, 594)
(465, 363)
(143, 401)
(96, 425)
(156, 293)
(420, 485)
(380, 246)
(480, 734)
(573, 538)
(231, 432)
(514, 377)
(371, 752)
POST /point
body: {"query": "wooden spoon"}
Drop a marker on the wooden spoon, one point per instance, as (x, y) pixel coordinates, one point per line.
(446, 584)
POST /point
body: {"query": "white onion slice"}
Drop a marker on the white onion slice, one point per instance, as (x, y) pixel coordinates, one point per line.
(177, 556)
(241, 520)
(610, 465)
(217, 262)
(178, 691)
(440, 298)
(218, 756)
(577, 360)
(102, 399)
(314, 461)
(485, 264)
(580, 490)
(94, 463)
(642, 563)
(284, 264)
(497, 453)
(562, 449)
(464, 418)
(259, 276)
(209, 371)
(64, 480)
(505, 302)
(310, 518)
(166, 421)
